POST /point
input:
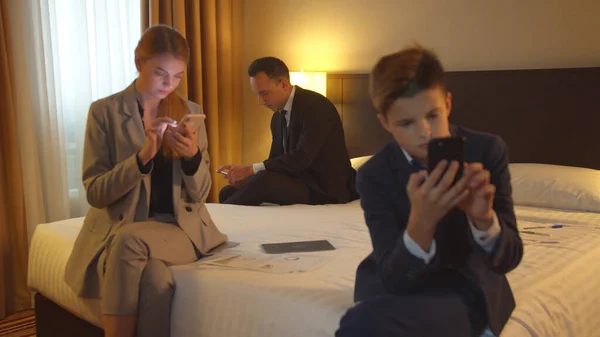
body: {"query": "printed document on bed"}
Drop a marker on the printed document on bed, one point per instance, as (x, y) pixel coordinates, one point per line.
(280, 264)
(547, 233)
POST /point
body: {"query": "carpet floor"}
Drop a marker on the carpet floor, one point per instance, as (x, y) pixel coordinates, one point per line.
(21, 324)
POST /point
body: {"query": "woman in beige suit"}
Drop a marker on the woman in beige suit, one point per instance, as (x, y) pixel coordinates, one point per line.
(147, 179)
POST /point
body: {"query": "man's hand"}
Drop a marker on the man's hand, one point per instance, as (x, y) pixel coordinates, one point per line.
(479, 204)
(237, 174)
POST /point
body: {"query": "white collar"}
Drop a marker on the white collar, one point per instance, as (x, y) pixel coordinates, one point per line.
(409, 158)
(288, 105)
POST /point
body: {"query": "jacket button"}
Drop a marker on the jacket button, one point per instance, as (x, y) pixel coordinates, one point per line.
(188, 208)
(121, 217)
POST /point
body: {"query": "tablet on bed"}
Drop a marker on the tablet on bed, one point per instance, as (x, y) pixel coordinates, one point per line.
(297, 247)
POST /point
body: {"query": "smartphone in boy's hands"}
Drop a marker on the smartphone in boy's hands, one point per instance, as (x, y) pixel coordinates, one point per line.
(449, 149)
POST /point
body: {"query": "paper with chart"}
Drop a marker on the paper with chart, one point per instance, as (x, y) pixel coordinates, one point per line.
(279, 264)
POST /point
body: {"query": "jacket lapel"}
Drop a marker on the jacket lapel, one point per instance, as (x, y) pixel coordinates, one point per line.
(132, 121)
(400, 165)
(134, 128)
(295, 118)
(277, 145)
(177, 180)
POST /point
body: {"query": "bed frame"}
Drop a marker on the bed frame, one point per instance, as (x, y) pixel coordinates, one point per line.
(548, 116)
(545, 116)
(51, 320)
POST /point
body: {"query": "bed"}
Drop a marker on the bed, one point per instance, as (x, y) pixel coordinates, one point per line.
(555, 285)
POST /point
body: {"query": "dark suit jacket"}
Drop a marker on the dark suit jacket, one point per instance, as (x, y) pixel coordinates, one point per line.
(392, 269)
(317, 149)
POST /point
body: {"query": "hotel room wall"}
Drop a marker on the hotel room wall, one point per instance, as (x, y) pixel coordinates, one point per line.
(350, 35)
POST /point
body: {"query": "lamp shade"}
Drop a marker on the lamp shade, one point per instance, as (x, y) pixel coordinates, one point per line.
(315, 81)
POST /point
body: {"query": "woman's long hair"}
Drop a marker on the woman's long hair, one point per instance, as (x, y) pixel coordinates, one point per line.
(159, 40)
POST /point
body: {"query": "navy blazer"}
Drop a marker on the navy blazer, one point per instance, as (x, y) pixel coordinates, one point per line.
(392, 269)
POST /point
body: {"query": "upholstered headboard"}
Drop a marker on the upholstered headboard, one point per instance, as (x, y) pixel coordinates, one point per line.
(549, 116)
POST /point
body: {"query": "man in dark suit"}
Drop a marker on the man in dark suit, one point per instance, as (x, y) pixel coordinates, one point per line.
(308, 162)
(441, 248)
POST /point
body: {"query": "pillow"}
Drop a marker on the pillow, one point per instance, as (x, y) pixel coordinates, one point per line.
(554, 186)
(359, 161)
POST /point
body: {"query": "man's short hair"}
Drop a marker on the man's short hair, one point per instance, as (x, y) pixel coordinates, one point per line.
(271, 66)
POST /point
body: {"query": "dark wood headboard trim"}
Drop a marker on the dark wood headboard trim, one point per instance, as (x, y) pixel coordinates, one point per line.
(544, 115)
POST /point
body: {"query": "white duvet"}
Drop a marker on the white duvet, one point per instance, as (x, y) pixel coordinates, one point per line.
(556, 285)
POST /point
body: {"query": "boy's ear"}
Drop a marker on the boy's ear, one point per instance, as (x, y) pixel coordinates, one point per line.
(449, 102)
(384, 122)
(138, 63)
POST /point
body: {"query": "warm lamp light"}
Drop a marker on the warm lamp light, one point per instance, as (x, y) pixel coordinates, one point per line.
(315, 81)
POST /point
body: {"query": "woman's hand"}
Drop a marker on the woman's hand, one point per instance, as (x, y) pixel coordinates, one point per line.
(183, 139)
(153, 141)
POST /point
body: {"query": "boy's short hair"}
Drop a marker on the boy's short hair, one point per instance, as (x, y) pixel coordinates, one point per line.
(404, 74)
(273, 67)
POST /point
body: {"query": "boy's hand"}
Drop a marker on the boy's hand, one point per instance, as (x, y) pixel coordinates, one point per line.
(479, 204)
(432, 199)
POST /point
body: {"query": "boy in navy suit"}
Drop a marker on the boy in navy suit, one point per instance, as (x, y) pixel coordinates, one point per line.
(440, 250)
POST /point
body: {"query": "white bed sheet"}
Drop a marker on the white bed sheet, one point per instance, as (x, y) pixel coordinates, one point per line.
(556, 285)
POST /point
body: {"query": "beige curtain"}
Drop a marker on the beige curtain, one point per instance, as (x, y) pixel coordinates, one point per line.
(14, 295)
(213, 29)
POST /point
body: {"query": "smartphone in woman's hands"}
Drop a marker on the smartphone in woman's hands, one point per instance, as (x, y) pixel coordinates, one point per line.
(194, 121)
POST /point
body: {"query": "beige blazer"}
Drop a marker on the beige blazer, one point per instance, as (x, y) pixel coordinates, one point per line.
(120, 194)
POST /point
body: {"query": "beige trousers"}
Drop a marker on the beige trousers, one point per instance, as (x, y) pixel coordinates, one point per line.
(136, 278)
